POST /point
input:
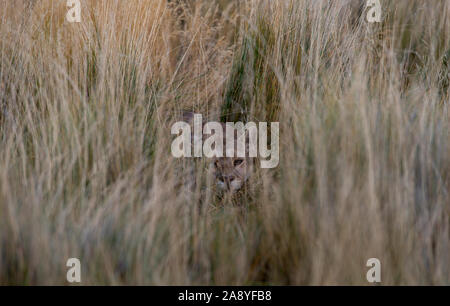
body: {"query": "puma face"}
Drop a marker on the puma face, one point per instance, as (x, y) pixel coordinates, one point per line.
(231, 172)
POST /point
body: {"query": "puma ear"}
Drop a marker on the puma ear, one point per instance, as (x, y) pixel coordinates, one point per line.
(247, 143)
(188, 116)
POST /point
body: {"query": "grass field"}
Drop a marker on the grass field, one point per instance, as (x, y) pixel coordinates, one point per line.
(85, 163)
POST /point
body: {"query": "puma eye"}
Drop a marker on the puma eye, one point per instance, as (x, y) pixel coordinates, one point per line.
(237, 162)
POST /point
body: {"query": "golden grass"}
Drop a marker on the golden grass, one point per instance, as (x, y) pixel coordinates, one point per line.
(85, 163)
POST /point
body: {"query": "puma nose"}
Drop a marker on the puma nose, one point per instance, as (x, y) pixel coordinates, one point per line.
(228, 179)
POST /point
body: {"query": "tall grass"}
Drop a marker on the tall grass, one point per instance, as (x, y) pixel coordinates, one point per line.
(85, 163)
